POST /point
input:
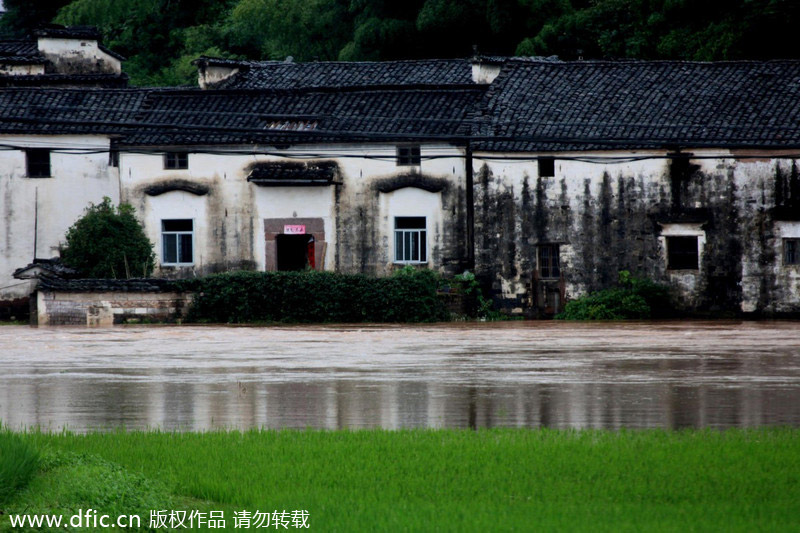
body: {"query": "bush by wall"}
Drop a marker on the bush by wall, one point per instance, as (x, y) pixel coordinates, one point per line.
(407, 296)
(633, 299)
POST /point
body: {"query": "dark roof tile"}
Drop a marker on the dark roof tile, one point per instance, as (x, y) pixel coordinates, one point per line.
(627, 104)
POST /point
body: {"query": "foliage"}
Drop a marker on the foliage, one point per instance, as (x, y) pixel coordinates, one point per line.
(68, 482)
(108, 242)
(450, 480)
(23, 16)
(161, 37)
(18, 463)
(407, 296)
(634, 298)
(477, 305)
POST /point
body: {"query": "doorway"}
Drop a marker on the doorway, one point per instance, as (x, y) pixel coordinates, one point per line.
(295, 252)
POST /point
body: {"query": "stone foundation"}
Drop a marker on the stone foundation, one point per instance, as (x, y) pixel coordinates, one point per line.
(56, 308)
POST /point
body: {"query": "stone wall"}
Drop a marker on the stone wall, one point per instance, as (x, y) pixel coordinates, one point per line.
(605, 217)
(56, 308)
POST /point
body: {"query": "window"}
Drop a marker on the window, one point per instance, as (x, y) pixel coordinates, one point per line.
(547, 167)
(113, 158)
(177, 238)
(791, 251)
(548, 261)
(38, 162)
(410, 242)
(682, 253)
(408, 155)
(176, 160)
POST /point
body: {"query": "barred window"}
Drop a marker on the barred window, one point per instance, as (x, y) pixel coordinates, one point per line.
(410, 240)
(549, 267)
(791, 251)
(177, 242)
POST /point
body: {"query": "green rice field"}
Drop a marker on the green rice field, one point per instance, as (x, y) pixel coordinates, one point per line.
(418, 480)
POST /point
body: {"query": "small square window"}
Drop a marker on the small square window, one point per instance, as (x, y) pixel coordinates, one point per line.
(547, 167)
(113, 158)
(176, 160)
(38, 162)
(177, 242)
(682, 253)
(791, 251)
(410, 241)
(408, 155)
(549, 267)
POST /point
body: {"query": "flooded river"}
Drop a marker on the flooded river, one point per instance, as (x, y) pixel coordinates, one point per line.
(517, 374)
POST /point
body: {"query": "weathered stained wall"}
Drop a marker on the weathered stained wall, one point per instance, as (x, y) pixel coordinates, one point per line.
(77, 180)
(375, 191)
(229, 213)
(108, 308)
(611, 217)
(77, 56)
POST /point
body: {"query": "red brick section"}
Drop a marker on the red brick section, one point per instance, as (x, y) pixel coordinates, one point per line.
(274, 227)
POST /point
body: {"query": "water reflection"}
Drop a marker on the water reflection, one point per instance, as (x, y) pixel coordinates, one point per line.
(668, 375)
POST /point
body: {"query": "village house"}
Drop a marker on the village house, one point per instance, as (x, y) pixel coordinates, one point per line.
(543, 177)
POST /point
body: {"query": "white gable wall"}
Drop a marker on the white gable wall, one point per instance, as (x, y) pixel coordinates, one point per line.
(77, 180)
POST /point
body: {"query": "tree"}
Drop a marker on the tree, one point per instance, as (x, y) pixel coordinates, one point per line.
(108, 242)
(23, 16)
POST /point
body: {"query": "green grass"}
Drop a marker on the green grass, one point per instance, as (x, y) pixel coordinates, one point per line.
(444, 480)
(19, 461)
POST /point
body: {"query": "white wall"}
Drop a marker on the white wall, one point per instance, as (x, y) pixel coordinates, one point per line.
(77, 180)
(65, 53)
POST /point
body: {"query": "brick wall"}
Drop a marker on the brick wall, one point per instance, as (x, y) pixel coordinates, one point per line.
(108, 308)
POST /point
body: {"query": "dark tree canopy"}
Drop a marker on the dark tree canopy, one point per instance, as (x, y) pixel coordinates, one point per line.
(22, 16)
(108, 242)
(161, 37)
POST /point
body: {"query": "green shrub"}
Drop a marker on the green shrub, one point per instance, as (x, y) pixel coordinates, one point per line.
(108, 242)
(633, 299)
(407, 296)
(18, 463)
(477, 305)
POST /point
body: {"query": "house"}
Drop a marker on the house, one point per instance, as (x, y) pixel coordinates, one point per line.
(59, 56)
(544, 177)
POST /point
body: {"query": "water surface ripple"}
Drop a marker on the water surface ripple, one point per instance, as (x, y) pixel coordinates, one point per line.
(519, 374)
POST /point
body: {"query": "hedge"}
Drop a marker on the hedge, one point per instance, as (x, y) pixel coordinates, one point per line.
(238, 297)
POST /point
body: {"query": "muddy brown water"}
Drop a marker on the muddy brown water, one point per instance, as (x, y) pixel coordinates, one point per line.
(518, 374)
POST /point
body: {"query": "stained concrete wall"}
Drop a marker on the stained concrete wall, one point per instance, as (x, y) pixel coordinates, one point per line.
(357, 212)
(609, 217)
(77, 56)
(76, 181)
(108, 308)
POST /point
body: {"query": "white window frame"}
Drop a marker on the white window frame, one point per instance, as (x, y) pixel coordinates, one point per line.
(421, 234)
(177, 242)
(683, 230)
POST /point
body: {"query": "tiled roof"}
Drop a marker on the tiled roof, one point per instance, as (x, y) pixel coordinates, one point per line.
(293, 173)
(20, 52)
(533, 105)
(55, 284)
(225, 117)
(52, 266)
(549, 105)
(63, 111)
(184, 117)
(72, 32)
(283, 75)
(65, 80)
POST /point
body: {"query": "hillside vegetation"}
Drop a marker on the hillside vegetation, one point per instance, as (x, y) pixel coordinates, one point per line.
(161, 37)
